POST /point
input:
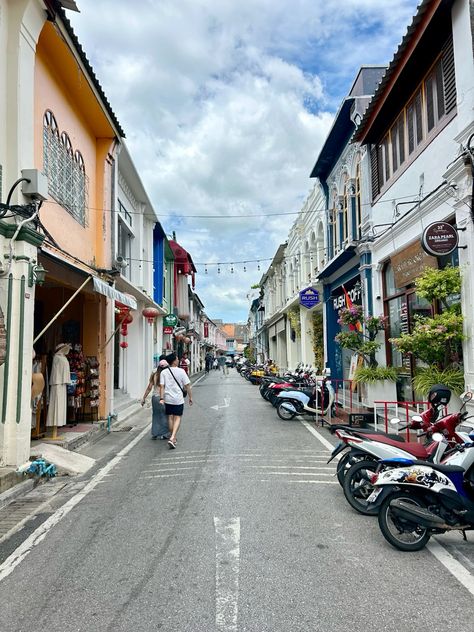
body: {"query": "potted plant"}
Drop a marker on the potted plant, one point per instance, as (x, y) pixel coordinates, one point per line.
(361, 338)
(436, 341)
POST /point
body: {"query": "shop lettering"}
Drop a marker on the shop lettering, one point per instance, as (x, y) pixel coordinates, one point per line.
(340, 301)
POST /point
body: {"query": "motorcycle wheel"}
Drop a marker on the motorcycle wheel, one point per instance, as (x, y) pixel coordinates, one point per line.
(400, 533)
(284, 414)
(342, 468)
(357, 487)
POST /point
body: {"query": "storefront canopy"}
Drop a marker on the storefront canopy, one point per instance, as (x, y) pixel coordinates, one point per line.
(103, 288)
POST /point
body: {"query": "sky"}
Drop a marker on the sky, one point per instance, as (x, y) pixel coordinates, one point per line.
(225, 105)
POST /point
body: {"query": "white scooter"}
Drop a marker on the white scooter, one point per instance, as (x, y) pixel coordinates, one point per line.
(315, 400)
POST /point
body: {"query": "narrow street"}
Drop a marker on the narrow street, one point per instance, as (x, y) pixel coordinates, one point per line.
(242, 528)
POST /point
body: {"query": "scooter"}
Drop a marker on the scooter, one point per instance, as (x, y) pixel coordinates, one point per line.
(419, 500)
(371, 445)
(317, 400)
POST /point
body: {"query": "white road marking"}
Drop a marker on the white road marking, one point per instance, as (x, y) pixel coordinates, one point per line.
(465, 577)
(227, 573)
(301, 473)
(243, 457)
(292, 467)
(460, 572)
(313, 482)
(41, 532)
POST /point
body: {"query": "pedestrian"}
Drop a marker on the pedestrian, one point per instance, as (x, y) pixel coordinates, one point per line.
(221, 360)
(209, 361)
(174, 383)
(159, 423)
(185, 362)
(215, 364)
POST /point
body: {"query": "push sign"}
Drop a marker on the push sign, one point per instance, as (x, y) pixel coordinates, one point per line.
(309, 297)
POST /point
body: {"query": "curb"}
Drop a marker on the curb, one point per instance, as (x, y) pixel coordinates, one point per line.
(19, 489)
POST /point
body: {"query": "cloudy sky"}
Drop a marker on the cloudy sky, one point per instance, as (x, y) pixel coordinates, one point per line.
(225, 105)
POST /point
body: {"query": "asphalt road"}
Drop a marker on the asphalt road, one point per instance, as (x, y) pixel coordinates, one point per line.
(242, 528)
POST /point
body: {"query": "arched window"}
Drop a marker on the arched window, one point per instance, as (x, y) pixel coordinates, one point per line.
(345, 214)
(333, 214)
(64, 168)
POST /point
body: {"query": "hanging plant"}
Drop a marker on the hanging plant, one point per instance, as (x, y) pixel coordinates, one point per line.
(295, 322)
(362, 334)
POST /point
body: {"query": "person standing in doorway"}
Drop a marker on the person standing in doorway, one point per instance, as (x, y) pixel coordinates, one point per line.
(173, 383)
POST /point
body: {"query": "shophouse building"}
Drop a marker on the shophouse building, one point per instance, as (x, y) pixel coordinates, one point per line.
(54, 120)
(135, 223)
(418, 131)
(342, 169)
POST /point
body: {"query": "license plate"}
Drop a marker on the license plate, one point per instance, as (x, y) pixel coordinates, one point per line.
(374, 495)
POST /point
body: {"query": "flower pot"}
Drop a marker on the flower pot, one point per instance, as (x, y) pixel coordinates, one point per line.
(381, 391)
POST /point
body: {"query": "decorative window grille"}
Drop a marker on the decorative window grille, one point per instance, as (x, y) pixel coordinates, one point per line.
(65, 169)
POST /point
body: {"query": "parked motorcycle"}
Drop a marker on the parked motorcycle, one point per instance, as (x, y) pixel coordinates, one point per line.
(420, 499)
(316, 400)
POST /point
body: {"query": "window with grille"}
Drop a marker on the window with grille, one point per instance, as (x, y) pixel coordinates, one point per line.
(65, 169)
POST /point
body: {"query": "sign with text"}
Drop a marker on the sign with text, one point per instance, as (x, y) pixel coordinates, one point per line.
(409, 263)
(167, 330)
(309, 297)
(350, 292)
(170, 320)
(206, 330)
(439, 239)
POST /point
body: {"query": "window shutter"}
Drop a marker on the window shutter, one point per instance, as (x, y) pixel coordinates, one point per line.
(394, 137)
(374, 169)
(401, 139)
(410, 127)
(429, 85)
(449, 77)
(418, 117)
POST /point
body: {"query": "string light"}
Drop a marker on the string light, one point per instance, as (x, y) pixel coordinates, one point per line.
(232, 268)
(218, 268)
(245, 268)
(205, 270)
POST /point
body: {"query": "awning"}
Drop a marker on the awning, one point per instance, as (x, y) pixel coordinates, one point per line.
(107, 290)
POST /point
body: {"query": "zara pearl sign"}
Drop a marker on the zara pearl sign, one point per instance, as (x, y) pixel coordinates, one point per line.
(439, 239)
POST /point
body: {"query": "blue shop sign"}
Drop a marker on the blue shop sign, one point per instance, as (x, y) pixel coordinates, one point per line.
(309, 297)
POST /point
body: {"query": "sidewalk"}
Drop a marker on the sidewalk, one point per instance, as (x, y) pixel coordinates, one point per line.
(70, 438)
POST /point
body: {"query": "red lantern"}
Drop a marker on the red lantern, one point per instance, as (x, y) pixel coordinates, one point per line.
(124, 344)
(127, 319)
(150, 313)
(124, 330)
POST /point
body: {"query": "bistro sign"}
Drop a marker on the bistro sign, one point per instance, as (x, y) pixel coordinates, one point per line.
(309, 297)
(439, 239)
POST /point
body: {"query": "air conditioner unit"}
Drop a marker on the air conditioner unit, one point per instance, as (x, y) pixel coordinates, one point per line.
(120, 262)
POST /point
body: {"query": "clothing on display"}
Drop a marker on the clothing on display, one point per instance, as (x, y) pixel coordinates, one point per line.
(59, 379)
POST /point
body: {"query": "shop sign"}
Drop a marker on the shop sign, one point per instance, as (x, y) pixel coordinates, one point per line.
(206, 330)
(170, 320)
(347, 294)
(309, 297)
(439, 239)
(167, 330)
(408, 264)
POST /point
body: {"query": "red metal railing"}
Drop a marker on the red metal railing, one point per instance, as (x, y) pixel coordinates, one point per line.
(402, 410)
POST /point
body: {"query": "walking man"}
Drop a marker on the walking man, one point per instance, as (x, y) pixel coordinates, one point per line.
(221, 360)
(174, 382)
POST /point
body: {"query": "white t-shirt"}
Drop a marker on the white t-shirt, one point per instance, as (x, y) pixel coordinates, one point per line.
(173, 392)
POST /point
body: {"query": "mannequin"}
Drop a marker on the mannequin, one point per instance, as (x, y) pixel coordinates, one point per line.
(60, 378)
(37, 387)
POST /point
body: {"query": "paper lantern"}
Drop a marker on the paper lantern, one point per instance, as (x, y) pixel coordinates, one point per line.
(187, 340)
(150, 313)
(124, 330)
(127, 319)
(124, 344)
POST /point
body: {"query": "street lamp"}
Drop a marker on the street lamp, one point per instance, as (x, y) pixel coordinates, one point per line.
(36, 274)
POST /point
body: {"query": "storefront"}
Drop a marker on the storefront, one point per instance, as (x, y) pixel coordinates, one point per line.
(343, 292)
(73, 320)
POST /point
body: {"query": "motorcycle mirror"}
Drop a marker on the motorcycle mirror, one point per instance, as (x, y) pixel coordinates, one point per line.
(438, 437)
(395, 421)
(466, 396)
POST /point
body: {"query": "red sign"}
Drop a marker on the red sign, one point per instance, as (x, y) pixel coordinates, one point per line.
(206, 330)
(167, 330)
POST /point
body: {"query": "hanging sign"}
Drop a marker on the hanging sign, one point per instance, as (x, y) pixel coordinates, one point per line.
(206, 330)
(167, 330)
(309, 297)
(170, 320)
(439, 239)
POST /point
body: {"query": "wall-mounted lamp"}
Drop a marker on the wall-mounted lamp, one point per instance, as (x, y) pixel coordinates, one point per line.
(36, 274)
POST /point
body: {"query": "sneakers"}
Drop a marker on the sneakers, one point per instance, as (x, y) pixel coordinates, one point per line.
(172, 443)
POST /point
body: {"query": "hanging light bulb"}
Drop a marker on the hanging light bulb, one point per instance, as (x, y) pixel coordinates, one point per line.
(245, 269)
(232, 268)
(205, 270)
(258, 266)
(218, 268)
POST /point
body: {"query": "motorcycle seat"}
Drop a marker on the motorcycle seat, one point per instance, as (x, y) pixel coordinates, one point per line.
(307, 391)
(440, 467)
(390, 435)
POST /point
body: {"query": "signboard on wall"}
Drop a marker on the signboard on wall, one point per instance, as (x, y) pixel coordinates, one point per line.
(206, 330)
(351, 291)
(439, 239)
(167, 330)
(409, 263)
(309, 297)
(170, 320)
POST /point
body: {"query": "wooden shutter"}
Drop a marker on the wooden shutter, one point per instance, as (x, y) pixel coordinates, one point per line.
(418, 118)
(449, 77)
(430, 115)
(374, 169)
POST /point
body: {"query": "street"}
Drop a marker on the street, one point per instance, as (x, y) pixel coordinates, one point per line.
(242, 528)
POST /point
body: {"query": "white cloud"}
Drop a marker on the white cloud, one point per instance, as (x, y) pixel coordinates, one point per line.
(226, 105)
